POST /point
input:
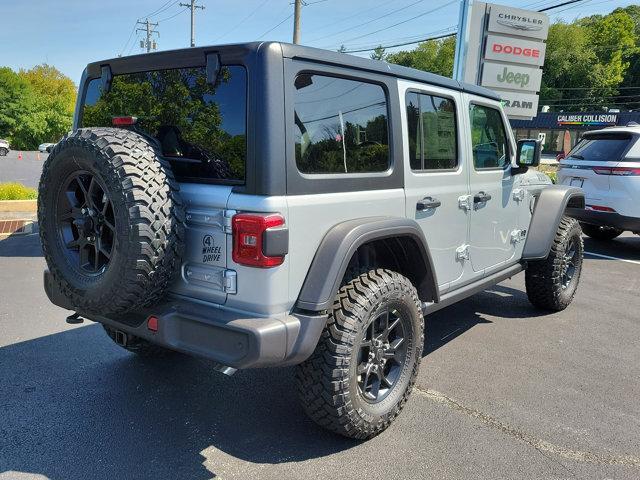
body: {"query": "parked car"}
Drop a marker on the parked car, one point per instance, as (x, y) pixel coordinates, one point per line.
(4, 147)
(45, 147)
(300, 207)
(606, 165)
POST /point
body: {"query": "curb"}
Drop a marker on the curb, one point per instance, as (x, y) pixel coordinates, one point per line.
(15, 206)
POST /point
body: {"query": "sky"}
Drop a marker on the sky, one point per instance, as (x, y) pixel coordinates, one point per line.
(68, 34)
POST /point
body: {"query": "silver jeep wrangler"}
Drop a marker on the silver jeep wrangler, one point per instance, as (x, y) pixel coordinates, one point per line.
(267, 204)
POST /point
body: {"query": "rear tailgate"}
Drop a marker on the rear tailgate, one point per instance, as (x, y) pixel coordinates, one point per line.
(204, 274)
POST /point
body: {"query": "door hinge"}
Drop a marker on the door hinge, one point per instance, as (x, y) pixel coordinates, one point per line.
(227, 219)
(518, 236)
(462, 252)
(518, 194)
(465, 202)
(230, 281)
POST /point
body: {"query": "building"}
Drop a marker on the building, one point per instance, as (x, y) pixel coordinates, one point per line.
(560, 131)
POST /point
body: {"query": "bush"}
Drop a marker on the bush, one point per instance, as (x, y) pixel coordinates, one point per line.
(17, 191)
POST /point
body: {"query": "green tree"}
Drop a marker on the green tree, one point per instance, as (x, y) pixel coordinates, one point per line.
(378, 53)
(434, 56)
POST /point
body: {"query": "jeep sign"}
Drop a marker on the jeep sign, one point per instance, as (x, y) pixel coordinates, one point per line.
(515, 50)
(511, 77)
(515, 21)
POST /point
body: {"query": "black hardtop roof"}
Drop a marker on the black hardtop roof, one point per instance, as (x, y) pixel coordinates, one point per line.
(167, 58)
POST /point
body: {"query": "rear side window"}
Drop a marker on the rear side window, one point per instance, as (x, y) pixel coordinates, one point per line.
(433, 141)
(341, 125)
(488, 138)
(603, 148)
(200, 127)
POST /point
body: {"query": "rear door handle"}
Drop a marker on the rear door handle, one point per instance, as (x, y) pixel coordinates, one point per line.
(481, 197)
(428, 203)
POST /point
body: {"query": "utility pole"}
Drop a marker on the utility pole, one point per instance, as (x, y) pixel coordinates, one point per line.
(149, 44)
(296, 21)
(193, 7)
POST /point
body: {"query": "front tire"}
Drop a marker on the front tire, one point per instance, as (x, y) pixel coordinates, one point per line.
(552, 283)
(600, 233)
(3, 152)
(363, 369)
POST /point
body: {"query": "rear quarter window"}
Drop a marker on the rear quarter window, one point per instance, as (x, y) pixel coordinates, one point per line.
(200, 127)
(601, 148)
(341, 125)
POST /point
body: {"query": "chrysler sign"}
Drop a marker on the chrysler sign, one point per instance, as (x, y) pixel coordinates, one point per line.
(515, 21)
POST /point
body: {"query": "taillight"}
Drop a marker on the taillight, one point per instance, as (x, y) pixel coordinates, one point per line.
(123, 121)
(248, 239)
(599, 208)
(622, 171)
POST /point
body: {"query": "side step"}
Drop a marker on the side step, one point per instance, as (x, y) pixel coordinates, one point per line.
(465, 291)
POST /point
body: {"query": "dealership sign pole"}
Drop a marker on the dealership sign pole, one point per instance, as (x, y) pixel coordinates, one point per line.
(503, 48)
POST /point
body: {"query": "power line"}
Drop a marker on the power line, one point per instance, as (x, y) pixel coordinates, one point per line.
(129, 39)
(276, 26)
(166, 6)
(242, 21)
(367, 22)
(560, 5)
(437, 37)
(173, 16)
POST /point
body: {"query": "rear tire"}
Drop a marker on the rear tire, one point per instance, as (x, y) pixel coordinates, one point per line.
(3, 152)
(551, 283)
(600, 233)
(375, 331)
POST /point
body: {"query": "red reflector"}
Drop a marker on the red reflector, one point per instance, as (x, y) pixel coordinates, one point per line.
(152, 324)
(247, 239)
(599, 208)
(123, 121)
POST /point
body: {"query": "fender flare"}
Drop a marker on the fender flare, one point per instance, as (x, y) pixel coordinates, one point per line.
(551, 205)
(341, 242)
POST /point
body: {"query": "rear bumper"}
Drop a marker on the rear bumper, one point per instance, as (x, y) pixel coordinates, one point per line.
(229, 338)
(606, 219)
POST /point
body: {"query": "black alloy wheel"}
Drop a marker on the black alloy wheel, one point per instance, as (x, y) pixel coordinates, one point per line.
(86, 223)
(382, 355)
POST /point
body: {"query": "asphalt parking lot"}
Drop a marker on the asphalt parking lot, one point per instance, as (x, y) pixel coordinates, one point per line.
(504, 392)
(25, 170)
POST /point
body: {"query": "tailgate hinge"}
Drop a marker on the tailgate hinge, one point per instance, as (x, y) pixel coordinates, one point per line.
(226, 220)
(230, 281)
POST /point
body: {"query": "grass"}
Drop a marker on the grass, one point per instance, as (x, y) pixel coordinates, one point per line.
(551, 171)
(17, 191)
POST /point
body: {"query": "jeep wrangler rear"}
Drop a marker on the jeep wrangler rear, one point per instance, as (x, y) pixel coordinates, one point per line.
(268, 204)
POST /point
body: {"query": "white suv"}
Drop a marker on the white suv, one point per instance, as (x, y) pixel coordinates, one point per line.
(606, 164)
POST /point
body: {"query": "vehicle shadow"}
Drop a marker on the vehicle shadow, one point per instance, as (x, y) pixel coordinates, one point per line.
(76, 406)
(625, 247)
(21, 245)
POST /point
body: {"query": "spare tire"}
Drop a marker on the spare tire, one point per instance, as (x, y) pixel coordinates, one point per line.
(111, 220)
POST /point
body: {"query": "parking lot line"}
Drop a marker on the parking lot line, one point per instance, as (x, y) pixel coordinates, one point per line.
(636, 262)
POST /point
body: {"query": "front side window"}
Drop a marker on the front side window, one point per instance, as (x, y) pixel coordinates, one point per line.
(488, 138)
(341, 126)
(200, 127)
(433, 141)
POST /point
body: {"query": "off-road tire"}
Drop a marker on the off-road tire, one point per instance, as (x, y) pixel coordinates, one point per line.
(544, 278)
(140, 346)
(327, 382)
(3, 151)
(600, 233)
(148, 216)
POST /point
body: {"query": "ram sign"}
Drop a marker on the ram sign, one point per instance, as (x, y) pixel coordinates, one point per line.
(504, 50)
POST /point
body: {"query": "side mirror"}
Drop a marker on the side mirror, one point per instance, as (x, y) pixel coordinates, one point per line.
(528, 153)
